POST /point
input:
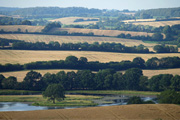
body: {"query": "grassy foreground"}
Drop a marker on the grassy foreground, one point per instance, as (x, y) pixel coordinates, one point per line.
(114, 92)
(38, 100)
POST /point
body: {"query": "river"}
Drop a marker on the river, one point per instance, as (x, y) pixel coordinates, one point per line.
(108, 100)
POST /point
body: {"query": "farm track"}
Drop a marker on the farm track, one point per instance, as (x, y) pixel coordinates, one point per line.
(123, 112)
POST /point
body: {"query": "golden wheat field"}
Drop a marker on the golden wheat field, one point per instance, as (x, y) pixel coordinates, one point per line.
(158, 23)
(73, 39)
(121, 112)
(101, 32)
(70, 20)
(22, 27)
(139, 20)
(26, 56)
(20, 75)
(150, 73)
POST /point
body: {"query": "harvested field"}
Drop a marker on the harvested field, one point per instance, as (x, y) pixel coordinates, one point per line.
(125, 112)
(73, 39)
(22, 27)
(150, 73)
(70, 20)
(20, 75)
(26, 56)
(158, 23)
(71, 30)
(100, 32)
(139, 20)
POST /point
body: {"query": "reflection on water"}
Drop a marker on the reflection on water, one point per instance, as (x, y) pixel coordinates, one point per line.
(19, 106)
(105, 101)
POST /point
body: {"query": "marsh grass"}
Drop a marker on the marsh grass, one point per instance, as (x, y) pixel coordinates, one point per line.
(126, 92)
(38, 100)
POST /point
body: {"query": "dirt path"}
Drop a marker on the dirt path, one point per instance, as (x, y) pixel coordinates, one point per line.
(124, 112)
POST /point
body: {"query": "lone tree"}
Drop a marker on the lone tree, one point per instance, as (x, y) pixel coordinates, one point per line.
(54, 92)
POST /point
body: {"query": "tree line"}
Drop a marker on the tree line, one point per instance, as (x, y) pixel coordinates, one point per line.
(162, 12)
(108, 47)
(72, 62)
(105, 79)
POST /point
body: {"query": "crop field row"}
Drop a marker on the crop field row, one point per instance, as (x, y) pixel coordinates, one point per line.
(73, 39)
(26, 56)
(20, 75)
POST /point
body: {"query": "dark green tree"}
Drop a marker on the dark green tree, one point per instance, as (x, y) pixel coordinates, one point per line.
(143, 83)
(54, 92)
(118, 81)
(49, 78)
(169, 97)
(71, 61)
(1, 79)
(167, 30)
(62, 78)
(135, 100)
(157, 36)
(32, 81)
(175, 83)
(85, 77)
(71, 80)
(9, 83)
(108, 82)
(132, 78)
(26, 22)
(139, 62)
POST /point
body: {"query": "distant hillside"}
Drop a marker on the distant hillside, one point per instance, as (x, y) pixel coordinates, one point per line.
(57, 12)
(53, 12)
(166, 12)
(8, 9)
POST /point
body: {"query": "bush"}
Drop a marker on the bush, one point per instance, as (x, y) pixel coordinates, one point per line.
(169, 97)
